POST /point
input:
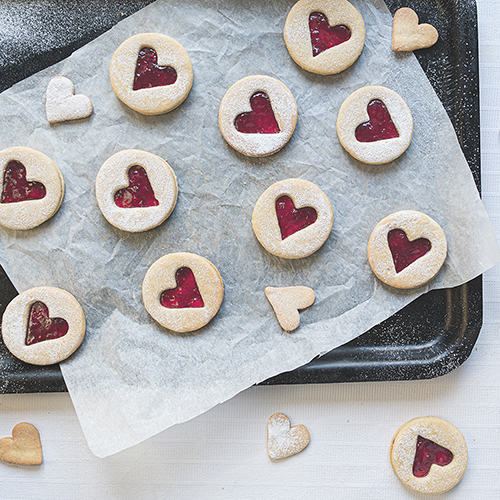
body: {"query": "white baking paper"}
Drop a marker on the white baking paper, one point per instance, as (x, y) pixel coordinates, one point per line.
(131, 378)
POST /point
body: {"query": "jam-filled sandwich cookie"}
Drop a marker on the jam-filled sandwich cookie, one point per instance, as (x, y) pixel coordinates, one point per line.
(24, 447)
(43, 325)
(136, 190)
(375, 125)
(257, 116)
(62, 104)
(182, 291)
(287, 302)
(292, 218)
(407, 249)
(408, 35)
(151, 73)
(429, 455)
(324, 37)
(32, 188)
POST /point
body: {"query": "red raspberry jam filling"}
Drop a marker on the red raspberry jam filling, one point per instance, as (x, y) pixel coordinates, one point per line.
(260, 120)
(379, 127)
(186, 294)
(429, 453)
(139, 192)
(41, 327)
(291, 219)
(404, 251)
(324, 36)
(15, 186)
(148, 74)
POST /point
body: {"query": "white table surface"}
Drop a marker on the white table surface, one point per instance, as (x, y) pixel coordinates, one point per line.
(222, 454)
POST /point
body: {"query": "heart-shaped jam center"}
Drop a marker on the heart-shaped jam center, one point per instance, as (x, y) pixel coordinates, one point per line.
(139, 192)
(379, 127)
(15, 186)
(41, 327)
(324, 36)
(148, 74)
(185, 294)
(260, 120)
(404, 251)
(291, 219)
(428, 453)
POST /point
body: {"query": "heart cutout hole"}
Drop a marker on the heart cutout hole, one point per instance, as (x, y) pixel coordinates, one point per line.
(261, 119)
(139, 192)
(185, 295)
(405, 252)
(16, 187)
(428, 452)
(380, 125)
(324, 36)
(148, 74)
(291, 219)
(42, 327)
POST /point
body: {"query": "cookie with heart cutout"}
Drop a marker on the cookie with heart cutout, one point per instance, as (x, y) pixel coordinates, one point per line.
(287, 302)
(43, 325)
(182, 291)
(283, 440)
(24, 447)
(292, 218)
(408, 35)
(61, 103)
(407, 249)
(257, 116)
(32, 188)
(429, 455)
(151, 73)
(324, 37)
(136, 190)
(375, 125)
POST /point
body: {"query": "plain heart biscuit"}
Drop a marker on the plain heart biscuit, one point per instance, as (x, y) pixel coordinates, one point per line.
(408, 35)
(287, 302)
(24, 447)
(283, 440)
(62, 104)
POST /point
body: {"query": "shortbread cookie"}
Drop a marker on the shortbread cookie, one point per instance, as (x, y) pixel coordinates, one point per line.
(324, 37)
(136, 190)
(375, 125)
(408, 35)
(43, 325)
(182, 291)
(257, 116)
(287, 302)
(429, 455)
(151, 73)
(24, 447)
(407, 249)
(32, 188)
(292, 218)
(283, 440)
(61, 103)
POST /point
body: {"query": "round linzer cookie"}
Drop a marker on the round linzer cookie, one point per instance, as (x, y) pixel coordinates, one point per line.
(375, 125)
(292, 218)
(136, 190)
(407, 249)
(257, 116)
(429, 455)
(151, 73)
(32, 188)
(324, 37)
(43, 325)
(182, 291)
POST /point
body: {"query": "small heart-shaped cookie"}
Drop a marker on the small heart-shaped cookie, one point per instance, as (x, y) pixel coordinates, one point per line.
(62, 104)
(408, 35)
(283, 440)
(24, 447)
(287, 302)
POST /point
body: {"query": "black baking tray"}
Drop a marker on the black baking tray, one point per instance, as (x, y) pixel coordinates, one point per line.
(428, 338)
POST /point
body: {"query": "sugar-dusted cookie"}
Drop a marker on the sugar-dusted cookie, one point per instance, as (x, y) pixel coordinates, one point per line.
(136, 190)
(43, 325)
(182, 291)
(292, 218)
(151, 73)
(32, 188)
(257, 116)
(287, 301)
(61, 103)
(408, 35)
(283, 440)
(429, 455)
(407, 249)
(324, 36)
(375, 125)
(24, 447)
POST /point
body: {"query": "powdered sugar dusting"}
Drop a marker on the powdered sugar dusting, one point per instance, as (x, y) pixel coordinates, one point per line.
(283, 440)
